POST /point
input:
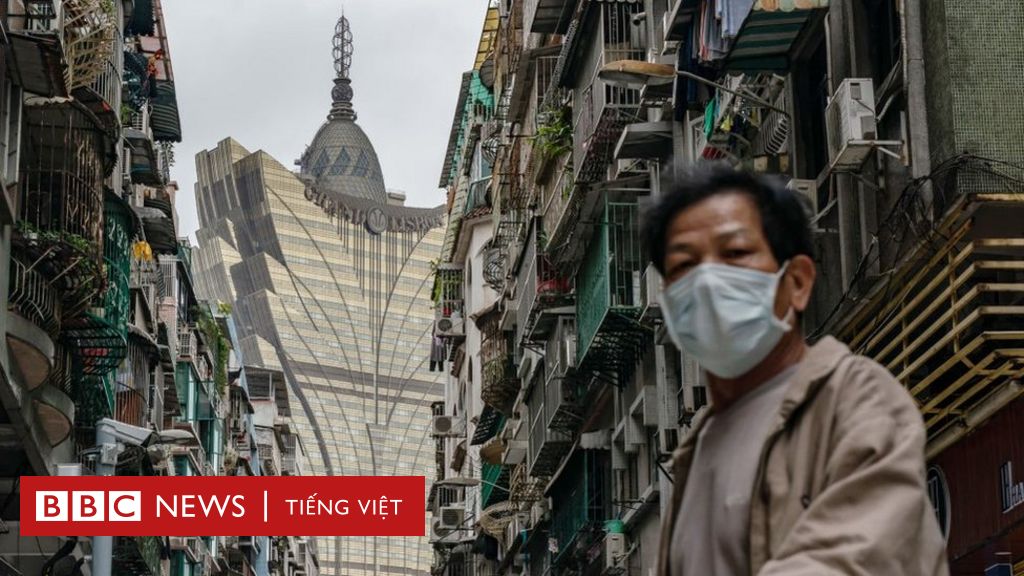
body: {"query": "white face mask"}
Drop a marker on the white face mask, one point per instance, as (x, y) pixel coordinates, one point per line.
(724, 317)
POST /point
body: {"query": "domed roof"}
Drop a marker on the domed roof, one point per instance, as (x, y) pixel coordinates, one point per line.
(341, 159)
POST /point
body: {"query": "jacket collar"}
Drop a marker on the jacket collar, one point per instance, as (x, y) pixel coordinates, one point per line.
(818, 363)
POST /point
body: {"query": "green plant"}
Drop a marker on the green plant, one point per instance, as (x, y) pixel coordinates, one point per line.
(554, 134)
(218, 344)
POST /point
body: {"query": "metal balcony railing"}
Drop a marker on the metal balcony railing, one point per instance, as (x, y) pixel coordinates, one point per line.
(133, 379)
(525, 488)
(603, 110)
(91, 31)
(36, 16)
(186, 344)
(540, 286)
(130, 406)
(32, 296)
(608, 302)
(573, 514)
(546, 446)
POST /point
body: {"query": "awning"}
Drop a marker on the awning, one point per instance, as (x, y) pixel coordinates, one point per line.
(35, 65)
(145, 169)
(164, 119)
(766, 39)
(487, 37)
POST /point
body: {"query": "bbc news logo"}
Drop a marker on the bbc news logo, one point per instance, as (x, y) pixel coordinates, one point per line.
(222, 505)
(88, 506)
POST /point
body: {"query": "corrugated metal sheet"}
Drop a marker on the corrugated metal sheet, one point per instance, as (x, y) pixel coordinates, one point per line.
(767, 35)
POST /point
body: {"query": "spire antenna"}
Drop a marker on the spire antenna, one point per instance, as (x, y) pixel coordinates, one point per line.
(342, 92)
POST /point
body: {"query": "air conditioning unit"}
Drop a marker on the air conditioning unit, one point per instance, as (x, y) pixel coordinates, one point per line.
(668, 440)
(567, 352)
(808, 191)
(448, 426)
(650, 294)
(442, 534)
(850, 119)
(614, 554)
(452, 517)
(450, 327)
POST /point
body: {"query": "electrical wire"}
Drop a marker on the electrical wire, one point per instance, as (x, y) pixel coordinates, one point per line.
(902, 213)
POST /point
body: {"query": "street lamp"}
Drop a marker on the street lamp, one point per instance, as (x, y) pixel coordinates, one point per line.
(111, 439)
(638, 72)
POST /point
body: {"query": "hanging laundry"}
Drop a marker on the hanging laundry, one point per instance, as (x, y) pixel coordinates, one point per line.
(734, 12)
(437, 354)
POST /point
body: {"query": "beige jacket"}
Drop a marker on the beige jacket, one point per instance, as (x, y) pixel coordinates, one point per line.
(840, 488)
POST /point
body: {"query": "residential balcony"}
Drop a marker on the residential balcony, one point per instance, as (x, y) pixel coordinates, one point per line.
(947, 322)
(143, 160)
(609, 304)
(500, 384)
(61, 204)
(34, 311)
(157, 215)
(131, 404)
(269, 453)
(602, 112)
(99, 337)
(35, 32)
(578, 510)
(564, 392)
(448, 302)
(525, 488)
(547, 446)
(544, 291)
(555, 196)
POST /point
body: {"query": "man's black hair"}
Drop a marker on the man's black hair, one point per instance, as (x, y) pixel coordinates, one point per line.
(783, 215)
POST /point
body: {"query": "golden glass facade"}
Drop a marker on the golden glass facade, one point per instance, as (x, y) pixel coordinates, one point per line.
(346, 314)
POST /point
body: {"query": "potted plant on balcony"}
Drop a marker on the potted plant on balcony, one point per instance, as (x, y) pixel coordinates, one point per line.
(553, 138)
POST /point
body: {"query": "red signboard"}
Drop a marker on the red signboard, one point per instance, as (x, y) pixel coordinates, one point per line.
(222, 506)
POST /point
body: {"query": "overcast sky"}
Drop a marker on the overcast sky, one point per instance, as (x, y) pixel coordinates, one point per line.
(261, 71)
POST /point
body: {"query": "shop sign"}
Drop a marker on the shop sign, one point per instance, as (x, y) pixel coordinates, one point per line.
(938, 493)
(1012, 493)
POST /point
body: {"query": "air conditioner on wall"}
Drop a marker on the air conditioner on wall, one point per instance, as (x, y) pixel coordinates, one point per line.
(449, 327)
(808, 191)
(442, 534)
(452, 517)
(614, 554)
(448, 426)
(668, 440)
(851, 123)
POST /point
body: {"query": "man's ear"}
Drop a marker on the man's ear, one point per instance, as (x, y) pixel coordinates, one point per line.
(801, 275)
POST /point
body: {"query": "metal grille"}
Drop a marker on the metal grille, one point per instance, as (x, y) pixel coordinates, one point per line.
(983, 45)
(33, 298)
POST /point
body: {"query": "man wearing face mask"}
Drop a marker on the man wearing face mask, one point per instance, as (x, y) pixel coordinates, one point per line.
(810, 459)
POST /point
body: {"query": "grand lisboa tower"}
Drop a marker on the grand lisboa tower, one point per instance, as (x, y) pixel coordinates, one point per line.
(330, 280)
